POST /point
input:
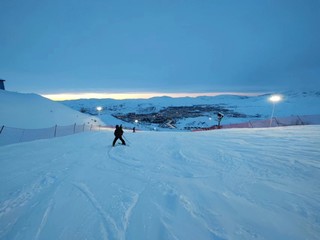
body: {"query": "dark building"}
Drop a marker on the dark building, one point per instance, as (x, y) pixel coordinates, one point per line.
(2, 84)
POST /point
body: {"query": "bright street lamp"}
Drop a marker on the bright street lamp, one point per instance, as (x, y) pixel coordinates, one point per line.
(274, 99)
(99, 110)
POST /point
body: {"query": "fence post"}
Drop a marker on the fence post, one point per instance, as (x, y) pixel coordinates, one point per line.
(74, 128)
(55, 131)
(1, 129)
(250, 124)
(90, 127)
(83, 127)
(302, 123)
(22, 134)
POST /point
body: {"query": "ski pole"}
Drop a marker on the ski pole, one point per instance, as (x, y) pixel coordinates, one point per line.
(126, 140)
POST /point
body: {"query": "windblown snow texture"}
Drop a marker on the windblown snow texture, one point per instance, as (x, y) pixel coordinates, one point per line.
(227, 184)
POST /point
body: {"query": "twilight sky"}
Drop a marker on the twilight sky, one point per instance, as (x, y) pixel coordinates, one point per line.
(118, 46)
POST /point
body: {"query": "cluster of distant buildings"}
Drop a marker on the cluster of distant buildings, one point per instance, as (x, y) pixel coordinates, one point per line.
(2, 84)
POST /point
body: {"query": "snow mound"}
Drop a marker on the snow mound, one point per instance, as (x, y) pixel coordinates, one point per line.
(33, 111)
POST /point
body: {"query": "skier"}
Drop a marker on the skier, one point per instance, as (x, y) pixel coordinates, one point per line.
(118, 132)
(220, 116)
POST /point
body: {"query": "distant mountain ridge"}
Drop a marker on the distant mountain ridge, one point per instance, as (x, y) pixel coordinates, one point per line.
(33, 111)
(188, 112)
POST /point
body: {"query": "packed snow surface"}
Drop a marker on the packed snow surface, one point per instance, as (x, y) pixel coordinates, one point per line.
(223, 184)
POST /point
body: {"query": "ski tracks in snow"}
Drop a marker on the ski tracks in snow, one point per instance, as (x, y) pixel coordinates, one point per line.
(44, 219)
(26, 201)
(109, 227)
(122, 156)
(35, 197)
(27, 194)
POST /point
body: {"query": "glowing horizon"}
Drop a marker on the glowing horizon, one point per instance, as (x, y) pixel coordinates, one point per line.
(142, 95)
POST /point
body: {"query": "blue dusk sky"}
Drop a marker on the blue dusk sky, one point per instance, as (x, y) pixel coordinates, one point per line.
(163, 46)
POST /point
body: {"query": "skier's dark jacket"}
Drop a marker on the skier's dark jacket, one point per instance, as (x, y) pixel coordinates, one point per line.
(118, 132)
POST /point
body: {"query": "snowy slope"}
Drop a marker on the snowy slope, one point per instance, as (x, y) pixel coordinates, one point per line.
(227, 184)
(33, 111)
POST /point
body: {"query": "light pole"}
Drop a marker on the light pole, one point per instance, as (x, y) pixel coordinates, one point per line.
(99, 110)
(274, 99)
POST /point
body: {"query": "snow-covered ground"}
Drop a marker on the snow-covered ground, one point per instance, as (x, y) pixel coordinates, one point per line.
(226, 184)
(31, 111)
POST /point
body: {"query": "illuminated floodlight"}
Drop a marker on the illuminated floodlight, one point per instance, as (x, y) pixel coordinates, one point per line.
(99, 110)
(136, 121)
(275, 98)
